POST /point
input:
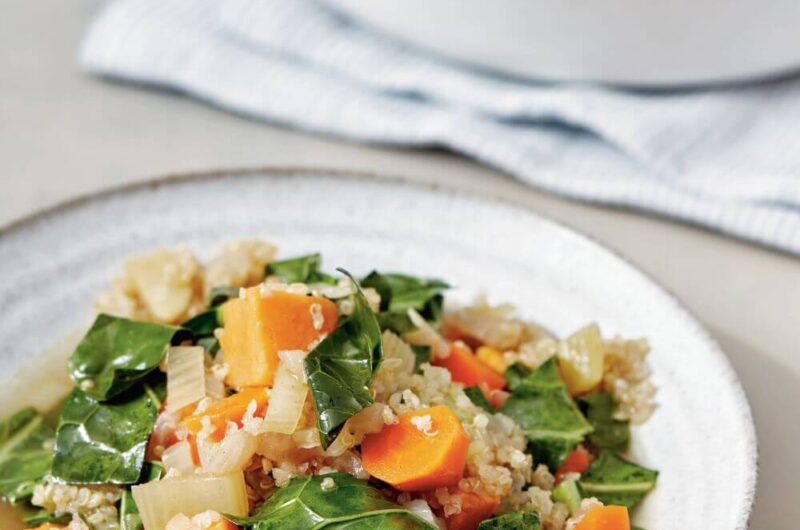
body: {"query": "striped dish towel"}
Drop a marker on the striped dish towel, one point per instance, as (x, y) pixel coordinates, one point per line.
(727, 159)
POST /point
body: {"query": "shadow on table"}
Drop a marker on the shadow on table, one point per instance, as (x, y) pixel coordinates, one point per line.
(773, 391)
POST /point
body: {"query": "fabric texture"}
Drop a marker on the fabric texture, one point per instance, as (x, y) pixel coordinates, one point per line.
(727, 159)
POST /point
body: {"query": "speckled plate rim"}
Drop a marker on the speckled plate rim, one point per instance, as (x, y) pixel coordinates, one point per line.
(667, 296)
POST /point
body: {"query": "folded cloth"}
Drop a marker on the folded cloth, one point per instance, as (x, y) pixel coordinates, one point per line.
(727, 159)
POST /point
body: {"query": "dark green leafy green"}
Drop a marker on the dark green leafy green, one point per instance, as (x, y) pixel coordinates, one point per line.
(129, 518)
(116, 353)
(219, 295)
(210, 344)
(202, 327)
(422, 355)
(350, 503)
(478, 398)
(34, 516)
(302, 269)
(609, 433)
(26, 452)
(514, 375)
(519, 520)
(401, 292)
(542, 407)
(104, 442)
(41, 517)
(204, 324)
(614, 480)
(340, 369)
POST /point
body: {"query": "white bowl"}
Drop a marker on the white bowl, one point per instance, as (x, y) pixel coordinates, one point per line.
(635, 42)
(701, 437)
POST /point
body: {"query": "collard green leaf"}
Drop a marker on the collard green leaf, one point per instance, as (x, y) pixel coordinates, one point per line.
(401, 292)
(614, 480)
(104, 442)
(219, 295)
(26, 452)
(202, 327)
(519, 520)
(350, 504)
(41, 517)
(210, 344)
(515, 374)
(129, 518)
(33, 516)
(396, 322)
(204, 324)
(542, 407)
(116, 353)
(478, 398)
(609, 433)
(340, 369)
(302, 269)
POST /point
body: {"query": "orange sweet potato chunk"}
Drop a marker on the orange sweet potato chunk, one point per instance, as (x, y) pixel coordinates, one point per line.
(258, 327)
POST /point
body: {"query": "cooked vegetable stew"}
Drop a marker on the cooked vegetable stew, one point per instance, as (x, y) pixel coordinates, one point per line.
(256, 393)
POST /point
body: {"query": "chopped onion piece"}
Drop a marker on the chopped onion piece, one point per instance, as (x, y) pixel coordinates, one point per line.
(186, 376)
(395, 348)
(369, 420)
(288, 396)
(233, 452)
(421, 509)
(425, 334)
(208, 520)
(178, 457)
(159, 501)
(306, 438)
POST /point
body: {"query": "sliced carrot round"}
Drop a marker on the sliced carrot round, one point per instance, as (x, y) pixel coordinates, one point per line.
(475, 508)
(610, 517)
(425, 449)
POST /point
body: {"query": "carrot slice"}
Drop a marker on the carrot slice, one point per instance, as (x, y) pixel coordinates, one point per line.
(498, 398)
(577, 461)
(258, 327)
(467, 369)
(475, 508)
(425, 449)
(230, 409)
(606, 518)
(223, 524)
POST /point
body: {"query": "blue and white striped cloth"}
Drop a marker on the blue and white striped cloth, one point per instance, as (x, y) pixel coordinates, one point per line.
(727, 159)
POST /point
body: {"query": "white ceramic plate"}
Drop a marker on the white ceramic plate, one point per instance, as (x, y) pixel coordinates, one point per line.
(634, 42)
(701, 438)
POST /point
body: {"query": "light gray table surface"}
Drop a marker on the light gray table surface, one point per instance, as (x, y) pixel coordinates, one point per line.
(64, 134)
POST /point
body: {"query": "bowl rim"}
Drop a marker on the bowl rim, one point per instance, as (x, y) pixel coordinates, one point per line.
(299, 171)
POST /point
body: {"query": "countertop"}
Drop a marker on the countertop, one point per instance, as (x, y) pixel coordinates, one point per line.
(64, 134)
